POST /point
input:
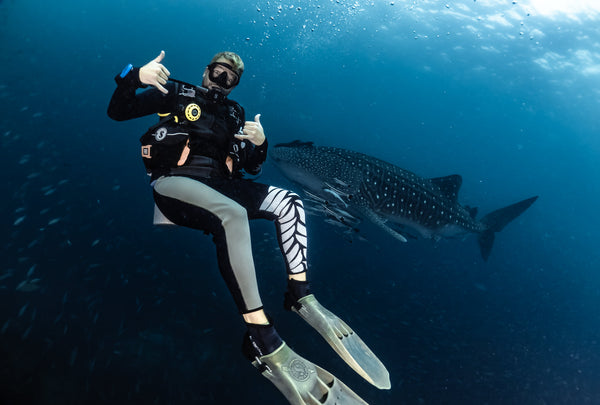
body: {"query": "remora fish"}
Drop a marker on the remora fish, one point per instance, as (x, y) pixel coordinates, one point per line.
(348, 183)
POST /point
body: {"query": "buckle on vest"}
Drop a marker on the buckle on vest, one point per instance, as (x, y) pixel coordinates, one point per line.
(146, 151)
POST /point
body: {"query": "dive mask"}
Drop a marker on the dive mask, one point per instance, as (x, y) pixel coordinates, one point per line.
(223, 75)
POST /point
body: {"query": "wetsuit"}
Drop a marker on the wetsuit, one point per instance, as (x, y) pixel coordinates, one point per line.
(207, 191)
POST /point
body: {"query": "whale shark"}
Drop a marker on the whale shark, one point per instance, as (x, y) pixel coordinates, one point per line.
(349, 186)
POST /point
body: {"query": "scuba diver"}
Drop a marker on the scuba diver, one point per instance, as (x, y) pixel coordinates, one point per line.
(196, 156)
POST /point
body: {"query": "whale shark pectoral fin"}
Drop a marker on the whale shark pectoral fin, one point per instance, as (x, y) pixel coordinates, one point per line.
(395, 234)
(377, 220)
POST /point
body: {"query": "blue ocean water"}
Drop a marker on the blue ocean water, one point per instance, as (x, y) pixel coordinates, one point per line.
(99, 306)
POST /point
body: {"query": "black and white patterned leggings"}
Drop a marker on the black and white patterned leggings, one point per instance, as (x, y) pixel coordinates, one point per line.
(223, 207)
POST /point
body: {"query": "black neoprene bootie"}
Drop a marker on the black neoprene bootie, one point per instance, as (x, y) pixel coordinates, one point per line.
(295, 290)
(260, 340)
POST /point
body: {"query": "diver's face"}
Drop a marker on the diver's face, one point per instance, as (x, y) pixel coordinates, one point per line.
(220, 76)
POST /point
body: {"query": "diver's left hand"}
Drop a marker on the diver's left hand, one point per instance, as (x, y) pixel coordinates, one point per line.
(253, 132)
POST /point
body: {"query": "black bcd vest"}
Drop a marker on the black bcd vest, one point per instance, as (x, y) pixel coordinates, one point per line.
(165, 145)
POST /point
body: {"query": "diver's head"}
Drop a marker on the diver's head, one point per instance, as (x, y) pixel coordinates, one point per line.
(223, 73)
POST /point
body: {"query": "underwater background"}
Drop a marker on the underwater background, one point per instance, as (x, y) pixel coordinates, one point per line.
(99, 306)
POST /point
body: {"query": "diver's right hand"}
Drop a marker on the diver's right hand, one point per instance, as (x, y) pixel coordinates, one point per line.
(155, 74)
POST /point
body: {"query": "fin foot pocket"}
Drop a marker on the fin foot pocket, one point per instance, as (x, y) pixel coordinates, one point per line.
(302, 382)
(346, 343)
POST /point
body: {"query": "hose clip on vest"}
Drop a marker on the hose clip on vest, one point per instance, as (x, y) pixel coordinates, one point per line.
(187, 91)
(193, 112)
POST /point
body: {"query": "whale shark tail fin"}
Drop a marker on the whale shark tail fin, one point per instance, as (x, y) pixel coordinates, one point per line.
(495, 221)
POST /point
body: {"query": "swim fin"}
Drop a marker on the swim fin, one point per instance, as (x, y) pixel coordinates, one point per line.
(344, 341)
(302, 382)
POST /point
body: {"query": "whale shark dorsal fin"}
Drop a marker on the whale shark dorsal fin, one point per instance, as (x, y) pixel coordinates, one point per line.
(449, 185)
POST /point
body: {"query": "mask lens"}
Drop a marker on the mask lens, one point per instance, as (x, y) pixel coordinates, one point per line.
(222, 75)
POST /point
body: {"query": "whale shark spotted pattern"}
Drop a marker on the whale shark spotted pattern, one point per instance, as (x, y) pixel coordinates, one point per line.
(350, 184)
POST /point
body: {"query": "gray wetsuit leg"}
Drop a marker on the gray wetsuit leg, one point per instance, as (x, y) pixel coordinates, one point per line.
(191, 203)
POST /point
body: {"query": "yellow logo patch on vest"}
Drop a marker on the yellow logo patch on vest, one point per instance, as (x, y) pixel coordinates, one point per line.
(193, 112)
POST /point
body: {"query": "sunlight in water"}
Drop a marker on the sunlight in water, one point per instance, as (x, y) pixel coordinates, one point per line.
(574, 9)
